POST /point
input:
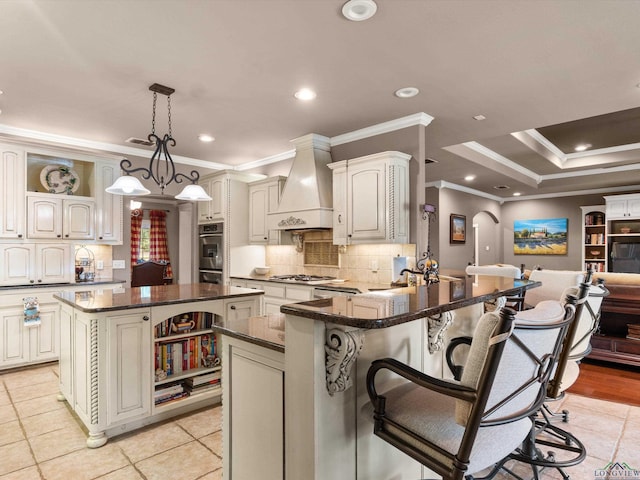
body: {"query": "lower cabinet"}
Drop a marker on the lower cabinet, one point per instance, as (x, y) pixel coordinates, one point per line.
(21, 344)
(253, 417)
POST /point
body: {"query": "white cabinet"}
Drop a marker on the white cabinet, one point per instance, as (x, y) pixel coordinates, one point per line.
(212, 210)
(253, 431)
(12, 192)
(371, 199)
(277, 294)
(129, 364)
(108, 207)
(623, 207)
(264, 196)
(65, 218)
(241, 309)
(22, 345)
(23, 264)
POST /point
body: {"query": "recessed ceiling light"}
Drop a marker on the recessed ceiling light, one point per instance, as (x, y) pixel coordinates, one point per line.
(203, 137)
(359, 10)
(469, 178)
(516, 194)
(582, 147)
(1, 92)
(305, 94)
(479, 117)
(406, 92)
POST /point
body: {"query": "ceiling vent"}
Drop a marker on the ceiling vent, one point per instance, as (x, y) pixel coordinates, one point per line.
(502, 187)
(429, 160)
(139, 141)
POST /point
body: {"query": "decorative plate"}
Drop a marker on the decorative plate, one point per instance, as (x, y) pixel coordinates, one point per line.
(59, 179)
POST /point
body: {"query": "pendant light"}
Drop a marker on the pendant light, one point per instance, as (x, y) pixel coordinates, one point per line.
(161, 167)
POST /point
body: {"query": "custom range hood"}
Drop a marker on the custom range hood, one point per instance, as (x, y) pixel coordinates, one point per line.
(306, 201)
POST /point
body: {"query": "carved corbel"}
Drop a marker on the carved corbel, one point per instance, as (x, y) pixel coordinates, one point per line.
(341, 348)
(436, 327)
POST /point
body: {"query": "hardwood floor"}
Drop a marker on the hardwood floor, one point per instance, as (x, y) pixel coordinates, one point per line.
(608, 381)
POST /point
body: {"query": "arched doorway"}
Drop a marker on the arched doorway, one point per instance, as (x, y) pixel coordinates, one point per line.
(486, 238)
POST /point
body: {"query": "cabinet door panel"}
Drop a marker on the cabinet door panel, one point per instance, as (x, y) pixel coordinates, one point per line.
(12, 193)
(259, 431)
(44, 338)
(66, 353)
(109, 211)
(18, 264)
(368, 207)
(45, 218)
(258, 206)
(78, 220)
(54, 263)
(129, 366)
(14, 338)
(634, 208)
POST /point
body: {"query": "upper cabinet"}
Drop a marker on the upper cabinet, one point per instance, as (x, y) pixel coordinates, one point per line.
(371, 199)
(216, 188)
(50, 194)
(264, 196)
(26, 263)
(12, 194)
(55, 217)
(108, 207)
(623, 207)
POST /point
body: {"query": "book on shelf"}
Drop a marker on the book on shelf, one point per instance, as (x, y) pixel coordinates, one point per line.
(203, 379)
(202, 388)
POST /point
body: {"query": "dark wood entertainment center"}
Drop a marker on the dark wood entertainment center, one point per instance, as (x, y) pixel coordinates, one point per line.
(620, 308)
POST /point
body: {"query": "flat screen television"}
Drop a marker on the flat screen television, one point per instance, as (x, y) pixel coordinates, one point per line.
(625, 257)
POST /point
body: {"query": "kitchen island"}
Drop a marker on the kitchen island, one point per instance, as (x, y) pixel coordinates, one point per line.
(134, 356)
(320, 427)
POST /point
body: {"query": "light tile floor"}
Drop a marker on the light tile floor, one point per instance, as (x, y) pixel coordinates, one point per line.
(41, 439)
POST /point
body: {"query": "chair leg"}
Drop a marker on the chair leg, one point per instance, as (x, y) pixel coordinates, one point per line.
(562, 415)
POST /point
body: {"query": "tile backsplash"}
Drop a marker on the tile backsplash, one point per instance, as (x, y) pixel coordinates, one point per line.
(357, 262)
(104, 254)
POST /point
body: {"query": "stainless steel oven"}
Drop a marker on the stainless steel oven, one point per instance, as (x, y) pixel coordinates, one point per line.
(211, 253)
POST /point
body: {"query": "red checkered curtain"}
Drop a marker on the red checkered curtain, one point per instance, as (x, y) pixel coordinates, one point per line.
(158, 250)
(136, 224)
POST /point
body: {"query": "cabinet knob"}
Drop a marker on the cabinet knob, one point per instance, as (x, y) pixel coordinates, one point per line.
(67, 235)
(232, 307)
(58, 235)
(31, 281)
(145, 318)
(99, 238)
(39, 280)
(265, 238)
(339, 218)
(19, 235)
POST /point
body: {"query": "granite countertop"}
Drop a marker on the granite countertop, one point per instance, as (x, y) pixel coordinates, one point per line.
(400, 305)
(266, 330)
(139, 297)
(348, 286)
(54, 285)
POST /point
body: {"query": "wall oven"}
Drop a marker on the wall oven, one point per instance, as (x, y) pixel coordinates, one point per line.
(211, 253)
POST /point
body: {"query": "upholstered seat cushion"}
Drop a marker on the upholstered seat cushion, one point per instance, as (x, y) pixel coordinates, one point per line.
(498, 270)
(432, 416)
(553, 284)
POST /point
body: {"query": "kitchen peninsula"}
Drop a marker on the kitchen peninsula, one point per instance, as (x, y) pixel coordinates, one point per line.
(133, 356)
(321, 429)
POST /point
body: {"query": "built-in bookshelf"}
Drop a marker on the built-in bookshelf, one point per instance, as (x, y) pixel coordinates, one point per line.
(594, 238)
(185, 358)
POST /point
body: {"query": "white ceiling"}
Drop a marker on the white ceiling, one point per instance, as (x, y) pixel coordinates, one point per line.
(81, 69)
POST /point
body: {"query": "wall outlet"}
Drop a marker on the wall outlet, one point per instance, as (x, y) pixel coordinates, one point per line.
(99, 264)
(118, 264)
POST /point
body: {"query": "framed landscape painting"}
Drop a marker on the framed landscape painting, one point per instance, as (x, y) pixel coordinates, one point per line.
(457, 229)
(540, 237)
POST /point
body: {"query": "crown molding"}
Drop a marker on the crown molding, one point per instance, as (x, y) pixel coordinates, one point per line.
(420, 118)
(54, 140)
